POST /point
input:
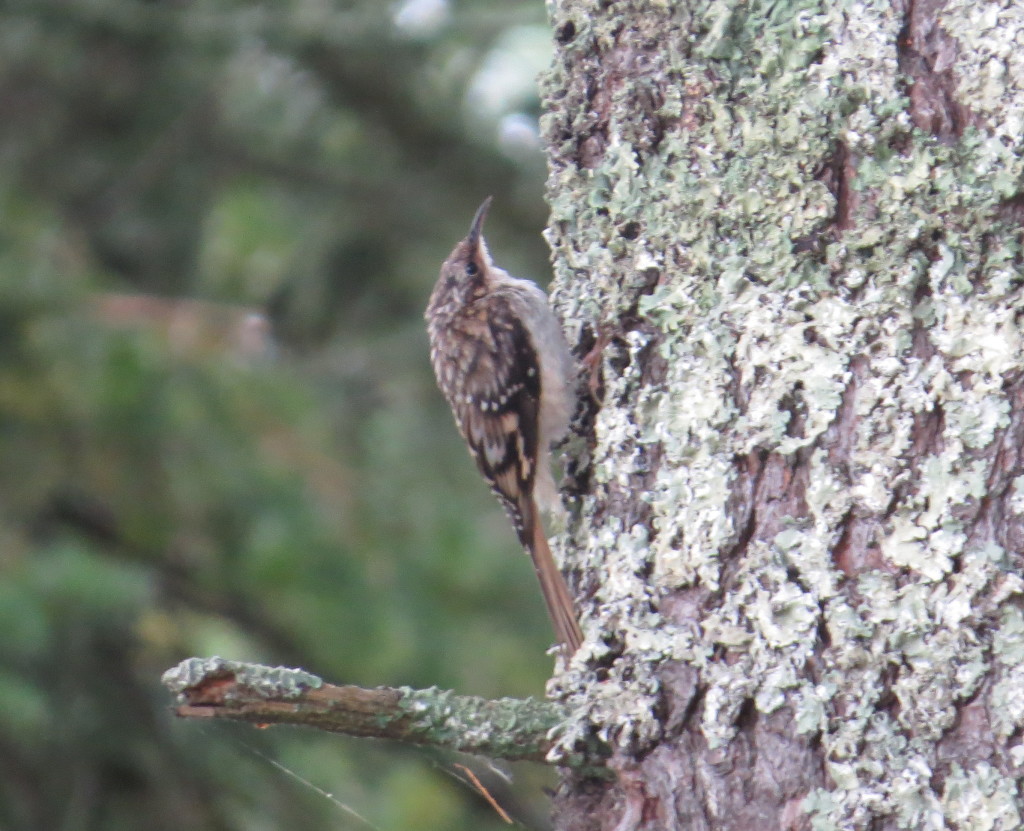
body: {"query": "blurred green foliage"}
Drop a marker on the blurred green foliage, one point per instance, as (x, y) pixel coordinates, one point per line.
(219, 225)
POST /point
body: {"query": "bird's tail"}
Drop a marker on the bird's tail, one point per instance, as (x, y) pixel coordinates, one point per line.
(552, 585)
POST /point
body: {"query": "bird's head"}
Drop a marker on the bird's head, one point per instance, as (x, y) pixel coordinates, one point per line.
(464, 275)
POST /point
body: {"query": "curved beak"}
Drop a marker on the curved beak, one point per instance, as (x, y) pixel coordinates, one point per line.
(476, 229)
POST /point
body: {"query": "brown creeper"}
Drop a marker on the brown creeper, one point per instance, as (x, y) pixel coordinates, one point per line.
(502, 362)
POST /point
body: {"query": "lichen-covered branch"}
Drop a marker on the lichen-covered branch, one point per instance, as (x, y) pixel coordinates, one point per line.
(505, 728)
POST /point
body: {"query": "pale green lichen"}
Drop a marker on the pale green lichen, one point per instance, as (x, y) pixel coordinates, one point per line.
(502, 727)
(1017, 497)
(981, 799)
(249, 680)
(1008, 692)
(989, 65)
(745, 324)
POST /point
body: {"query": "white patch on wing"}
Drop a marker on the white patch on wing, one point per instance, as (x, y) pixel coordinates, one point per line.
(494, 452)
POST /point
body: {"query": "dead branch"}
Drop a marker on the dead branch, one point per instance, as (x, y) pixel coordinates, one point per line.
(505, 728)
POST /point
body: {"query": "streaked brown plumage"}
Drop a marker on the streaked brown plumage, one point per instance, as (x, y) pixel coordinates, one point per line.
(502, 362)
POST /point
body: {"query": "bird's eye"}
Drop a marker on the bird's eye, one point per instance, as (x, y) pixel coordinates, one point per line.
(471, 268)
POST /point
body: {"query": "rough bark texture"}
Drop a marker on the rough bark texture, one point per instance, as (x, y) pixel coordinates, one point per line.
(504, 728)
(787, 239)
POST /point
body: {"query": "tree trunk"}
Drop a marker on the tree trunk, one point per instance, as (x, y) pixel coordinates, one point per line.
(787, 240)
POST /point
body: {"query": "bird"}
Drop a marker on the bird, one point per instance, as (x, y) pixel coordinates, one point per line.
(503, 364)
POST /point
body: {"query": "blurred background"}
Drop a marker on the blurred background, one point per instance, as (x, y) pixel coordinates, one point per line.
(219, 226)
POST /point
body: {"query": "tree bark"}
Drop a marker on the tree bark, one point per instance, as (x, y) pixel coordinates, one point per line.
(787, 241)
(506, 728)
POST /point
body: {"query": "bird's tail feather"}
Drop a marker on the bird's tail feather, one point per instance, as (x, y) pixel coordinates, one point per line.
(555, 591)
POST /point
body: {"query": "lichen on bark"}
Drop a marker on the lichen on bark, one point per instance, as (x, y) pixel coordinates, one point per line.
(797, 506)
(503, 728)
